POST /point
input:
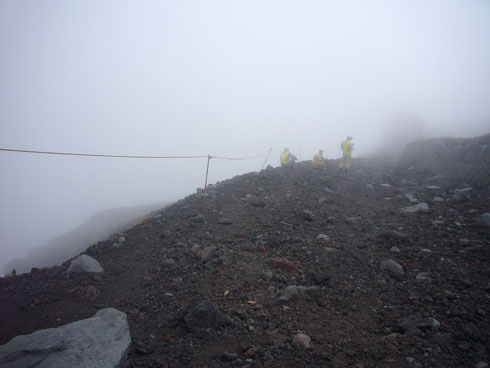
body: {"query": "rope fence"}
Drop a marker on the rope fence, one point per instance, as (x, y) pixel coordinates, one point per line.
(209, 157)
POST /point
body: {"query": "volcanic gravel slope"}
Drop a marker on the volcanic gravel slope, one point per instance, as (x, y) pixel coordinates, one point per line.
(356, 314)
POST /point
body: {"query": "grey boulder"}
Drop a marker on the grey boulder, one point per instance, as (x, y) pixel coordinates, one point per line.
(101, 341)
(85, 263)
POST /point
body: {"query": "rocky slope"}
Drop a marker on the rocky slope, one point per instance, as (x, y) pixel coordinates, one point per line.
(458, 159)
(289, 268)
(98, 227)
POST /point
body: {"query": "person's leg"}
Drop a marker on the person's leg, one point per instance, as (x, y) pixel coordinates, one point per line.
(342, 163)
(347, 163)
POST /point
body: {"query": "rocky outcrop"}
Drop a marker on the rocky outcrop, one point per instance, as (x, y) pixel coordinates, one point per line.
(100, 341)
(457, 158)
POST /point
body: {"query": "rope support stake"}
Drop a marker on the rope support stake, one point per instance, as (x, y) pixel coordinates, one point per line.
(206, 181)
(262, 168)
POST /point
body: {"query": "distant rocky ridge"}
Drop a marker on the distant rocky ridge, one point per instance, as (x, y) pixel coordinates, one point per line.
(460, 159)
(98, 227)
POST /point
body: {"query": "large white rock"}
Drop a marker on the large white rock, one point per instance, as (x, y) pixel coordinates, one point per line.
(85, 263)
(101, 341)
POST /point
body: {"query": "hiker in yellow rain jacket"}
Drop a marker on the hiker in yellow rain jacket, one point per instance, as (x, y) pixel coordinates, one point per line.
(318, 160)
(287, 159)
(347, 146)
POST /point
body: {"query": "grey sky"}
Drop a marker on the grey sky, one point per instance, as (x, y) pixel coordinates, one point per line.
(220, 77)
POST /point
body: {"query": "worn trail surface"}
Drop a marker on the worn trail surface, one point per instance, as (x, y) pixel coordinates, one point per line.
(430, 309)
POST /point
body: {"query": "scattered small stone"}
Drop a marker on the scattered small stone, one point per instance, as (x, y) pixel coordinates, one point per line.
(481, 365)
(278, 343)
(308, 215)
(225, 221)
(252, 351)
(238, 363)
(323, 237)
(199, 219)
(282, 263)
(165, 234)
(391, 266)
(462, 190)
(458, 199)
(438, 199)
(394, 249)
(293, 292)
(229, 357)
(302, 340)
(322, 200)
(423, 276)
(435, 323)
(391, 337)
(486, 218)
(416, 208)
(205, 315)
(144, 348)
(268, 357)
(208, 254)
(257, 202)
(411, 198)
(395, 235)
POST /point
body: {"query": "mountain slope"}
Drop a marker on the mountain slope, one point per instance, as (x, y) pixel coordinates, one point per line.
(98, 227)
(433, 314)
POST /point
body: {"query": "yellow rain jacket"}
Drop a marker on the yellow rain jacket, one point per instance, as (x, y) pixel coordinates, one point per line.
(318, 160)
(285, 158)
(347, 147)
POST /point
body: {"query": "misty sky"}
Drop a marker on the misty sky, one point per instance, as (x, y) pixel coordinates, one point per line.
(220, 77)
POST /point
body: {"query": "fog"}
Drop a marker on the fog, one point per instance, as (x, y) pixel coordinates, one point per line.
(228, 78)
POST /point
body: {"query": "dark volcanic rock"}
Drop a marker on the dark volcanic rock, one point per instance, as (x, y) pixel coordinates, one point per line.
(257, 202)
(205, 315)
(199, 219)
(225, 221)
